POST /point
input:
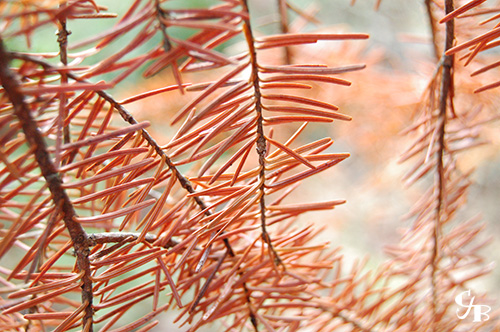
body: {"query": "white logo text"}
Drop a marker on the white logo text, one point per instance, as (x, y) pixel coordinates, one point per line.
(478, 310)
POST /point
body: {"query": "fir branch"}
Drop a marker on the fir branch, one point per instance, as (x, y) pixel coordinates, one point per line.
(185, 183)
(240, 279)
(49, 171)
(261, 141)
(128, 117)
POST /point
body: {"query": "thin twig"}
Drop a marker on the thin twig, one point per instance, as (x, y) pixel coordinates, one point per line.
(261, 146)
(160, 13)
(62, 39)
(432, 24)
(446, 87)
(282, 9)
(112, 237)
(261, 141)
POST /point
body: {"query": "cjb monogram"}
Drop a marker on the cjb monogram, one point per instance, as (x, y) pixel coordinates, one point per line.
(480, 311)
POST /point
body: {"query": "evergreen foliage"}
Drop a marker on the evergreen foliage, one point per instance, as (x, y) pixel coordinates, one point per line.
(99, 216)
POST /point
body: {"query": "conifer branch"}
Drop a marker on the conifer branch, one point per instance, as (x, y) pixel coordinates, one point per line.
(128, 117)
(203, 241)
(185, 183)
(261, 141)
(49, 171)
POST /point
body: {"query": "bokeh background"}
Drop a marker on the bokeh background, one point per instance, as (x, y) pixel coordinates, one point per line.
(382, 100)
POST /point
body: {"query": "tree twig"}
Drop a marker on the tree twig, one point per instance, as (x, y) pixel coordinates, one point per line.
(282, 9)
(432, 25)
(261, 140)
(184, 182)
(62, 40)
(111, 237)
(446, 87)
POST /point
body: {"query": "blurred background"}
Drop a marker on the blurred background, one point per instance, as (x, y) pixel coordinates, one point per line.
(382, 101)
